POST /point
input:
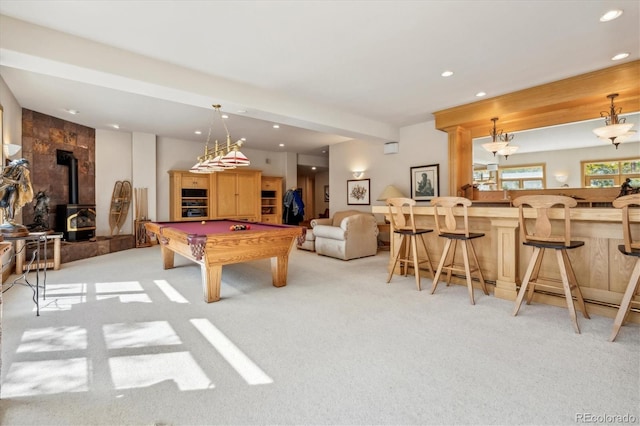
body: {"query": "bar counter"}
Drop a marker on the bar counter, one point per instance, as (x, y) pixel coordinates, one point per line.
(602, 271)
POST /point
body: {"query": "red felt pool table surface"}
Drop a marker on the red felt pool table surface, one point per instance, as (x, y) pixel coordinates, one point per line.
(213, 244)
(218, 226)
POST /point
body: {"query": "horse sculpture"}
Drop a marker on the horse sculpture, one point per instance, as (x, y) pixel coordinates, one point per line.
(15, 192)
(40, 213)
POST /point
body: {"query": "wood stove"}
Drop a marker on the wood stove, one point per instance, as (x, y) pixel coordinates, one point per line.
(76, 221)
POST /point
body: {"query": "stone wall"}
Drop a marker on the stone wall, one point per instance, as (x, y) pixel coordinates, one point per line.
(42, 135)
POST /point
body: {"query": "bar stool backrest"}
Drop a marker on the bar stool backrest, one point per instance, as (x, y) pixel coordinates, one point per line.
(397, 216)
(542, 230)
(443, 211)
(624, 203)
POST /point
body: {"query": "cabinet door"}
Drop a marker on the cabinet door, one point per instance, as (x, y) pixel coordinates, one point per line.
(226, 194)
(248, 197)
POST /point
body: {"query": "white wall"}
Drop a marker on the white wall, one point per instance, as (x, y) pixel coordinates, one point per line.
(11, 116)
(321, 179)
(171, 154)
(144, 171)
(419, 145)
(113, 163)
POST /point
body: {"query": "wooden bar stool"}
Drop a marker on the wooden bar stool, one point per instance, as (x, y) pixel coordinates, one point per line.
(448, 227)
(630, 247)
(410, 234)
(541, 237)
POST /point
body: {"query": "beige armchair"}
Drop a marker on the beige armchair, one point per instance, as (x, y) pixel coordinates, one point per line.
(347, 235)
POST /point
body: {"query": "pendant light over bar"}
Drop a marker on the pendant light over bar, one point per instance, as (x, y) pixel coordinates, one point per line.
(496, 143)
(218, 158)
(615, 127)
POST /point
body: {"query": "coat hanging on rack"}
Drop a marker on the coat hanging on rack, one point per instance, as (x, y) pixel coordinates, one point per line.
(293, 211)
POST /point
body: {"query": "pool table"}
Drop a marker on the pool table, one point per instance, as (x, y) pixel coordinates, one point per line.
(212, 244)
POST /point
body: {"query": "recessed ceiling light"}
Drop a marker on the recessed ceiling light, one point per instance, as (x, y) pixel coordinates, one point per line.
(115, 126)
(243, 139)
(620, 56)
(281, 144)
(242, 111)
(276, 126)
(313, 168)
(447, 74)
(481, 94)
(225, 116)
(611, 15)
(198, 132)
(72, 111)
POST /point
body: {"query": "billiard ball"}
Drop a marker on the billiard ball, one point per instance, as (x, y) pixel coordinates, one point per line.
(203, 222)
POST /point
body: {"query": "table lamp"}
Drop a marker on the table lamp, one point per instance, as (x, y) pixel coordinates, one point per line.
(390, 192)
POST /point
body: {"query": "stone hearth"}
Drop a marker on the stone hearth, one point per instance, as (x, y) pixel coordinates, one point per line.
(70, 251)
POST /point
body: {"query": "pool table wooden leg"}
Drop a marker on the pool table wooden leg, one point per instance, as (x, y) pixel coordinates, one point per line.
(211, 277)
(279, 266)
(167, 257)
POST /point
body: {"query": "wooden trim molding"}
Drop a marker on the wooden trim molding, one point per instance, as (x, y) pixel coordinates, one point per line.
(570, 100)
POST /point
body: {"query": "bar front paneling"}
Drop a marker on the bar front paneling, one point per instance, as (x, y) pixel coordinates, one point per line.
(602, 271)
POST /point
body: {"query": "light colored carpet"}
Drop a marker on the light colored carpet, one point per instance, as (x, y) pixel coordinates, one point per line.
(121, 341)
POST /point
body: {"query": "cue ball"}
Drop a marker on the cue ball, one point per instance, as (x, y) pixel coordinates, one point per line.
(203, 222)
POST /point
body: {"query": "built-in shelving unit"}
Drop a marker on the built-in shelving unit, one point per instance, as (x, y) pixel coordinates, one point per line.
(271, 199)
(189, 196)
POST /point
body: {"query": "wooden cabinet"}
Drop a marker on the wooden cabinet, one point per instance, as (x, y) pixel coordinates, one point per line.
(231, 194)
(271, 199)
(236, 195)
(189, 196)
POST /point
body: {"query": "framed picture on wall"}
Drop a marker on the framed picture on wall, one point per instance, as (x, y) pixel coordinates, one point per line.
(425, 184)
(326, 193)
(358, 192)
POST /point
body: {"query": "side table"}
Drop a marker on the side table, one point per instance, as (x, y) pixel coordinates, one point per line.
(21, 253)
(384, 237)
(39, 261)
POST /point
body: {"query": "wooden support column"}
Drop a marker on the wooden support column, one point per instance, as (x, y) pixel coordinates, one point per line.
(507, 256)
(460, 154)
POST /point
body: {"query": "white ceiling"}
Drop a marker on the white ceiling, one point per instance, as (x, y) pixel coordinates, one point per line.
(327, 71)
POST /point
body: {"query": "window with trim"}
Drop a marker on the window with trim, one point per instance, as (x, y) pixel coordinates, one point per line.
(530, 176)
(608, 173)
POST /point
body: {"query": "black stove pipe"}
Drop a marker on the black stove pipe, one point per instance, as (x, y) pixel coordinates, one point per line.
(66, 158)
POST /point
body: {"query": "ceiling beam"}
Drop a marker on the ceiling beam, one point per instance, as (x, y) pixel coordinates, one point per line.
(565, 101)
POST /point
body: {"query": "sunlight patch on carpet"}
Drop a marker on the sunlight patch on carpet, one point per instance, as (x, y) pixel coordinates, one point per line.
(46, 377)
(125, 298)
(125, 292)
(249, 371)
(49, 339)
(146, 370)
(139, 335)
(62, 297)
(170, 291)
(119, 287)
